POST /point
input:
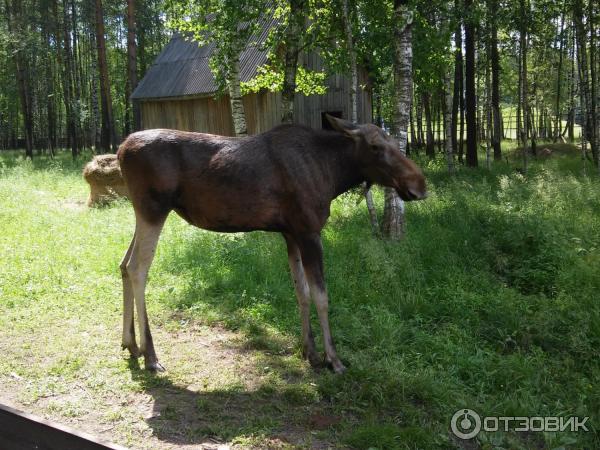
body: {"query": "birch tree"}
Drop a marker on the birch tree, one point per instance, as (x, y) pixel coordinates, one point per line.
(229, 25)
(296, 25)
(393, 215)
(353, 91)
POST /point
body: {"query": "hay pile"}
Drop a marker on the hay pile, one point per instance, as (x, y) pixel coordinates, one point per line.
(103, 174)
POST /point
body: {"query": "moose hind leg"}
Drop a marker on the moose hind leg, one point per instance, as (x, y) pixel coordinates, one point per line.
(312, 260)
(303, 295)
(128, 340)
(146, 239)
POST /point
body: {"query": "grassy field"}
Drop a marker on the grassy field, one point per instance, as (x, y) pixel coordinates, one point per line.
(509, 116)
(489, 303)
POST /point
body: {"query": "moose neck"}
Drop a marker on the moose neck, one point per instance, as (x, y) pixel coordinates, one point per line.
(341, 165)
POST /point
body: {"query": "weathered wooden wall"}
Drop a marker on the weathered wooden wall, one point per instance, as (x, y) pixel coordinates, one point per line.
(307, 110)
(263, 110)
(210, 115)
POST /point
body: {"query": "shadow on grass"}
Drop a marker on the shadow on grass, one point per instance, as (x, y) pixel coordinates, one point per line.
(268, 416)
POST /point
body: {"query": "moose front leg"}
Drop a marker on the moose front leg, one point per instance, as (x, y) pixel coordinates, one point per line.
(303, 295)
(311, 250)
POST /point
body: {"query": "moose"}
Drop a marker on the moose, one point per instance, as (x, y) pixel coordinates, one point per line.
(282, 180)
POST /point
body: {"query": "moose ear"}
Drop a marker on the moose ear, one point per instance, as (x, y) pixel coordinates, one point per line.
(343, 126)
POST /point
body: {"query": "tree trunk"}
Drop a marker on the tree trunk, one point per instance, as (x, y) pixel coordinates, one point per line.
(441, 111)
(420, 137)
(488, 107)
(13, 22)
(471, 95)
(293, 33)
(48, 88)
(69, 82)
(571, 119)
(523, 94)
(371, 209)
(354, 107)
(496, 112)
(532, 125)
(393, 215)
(108, 133)
(413, 136)
(235, 97)
(594, 110)
(457, 98)
(584, 79)
(95, 83)
(557, 117)
(430, 148)
(132, 67)
(76, 78)
(449, 104)
(461, 131)
(352, 56)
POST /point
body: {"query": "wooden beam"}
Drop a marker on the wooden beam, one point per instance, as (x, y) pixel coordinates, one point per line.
(23, 431)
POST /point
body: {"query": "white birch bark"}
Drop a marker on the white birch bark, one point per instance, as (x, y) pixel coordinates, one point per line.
(393, 215)
(295, 27)
(235, 97)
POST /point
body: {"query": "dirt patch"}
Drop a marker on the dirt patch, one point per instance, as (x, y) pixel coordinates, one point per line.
(215, 394)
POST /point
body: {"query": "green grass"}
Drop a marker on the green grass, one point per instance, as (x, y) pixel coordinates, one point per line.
(509, 116)
(489, 303)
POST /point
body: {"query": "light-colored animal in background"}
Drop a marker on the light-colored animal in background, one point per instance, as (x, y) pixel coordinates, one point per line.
(103, 174)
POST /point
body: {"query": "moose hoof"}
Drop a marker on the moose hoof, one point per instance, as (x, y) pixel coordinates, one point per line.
(339, 369)
(315, 361)
(154, 366)
(336, 365)
(133, 349)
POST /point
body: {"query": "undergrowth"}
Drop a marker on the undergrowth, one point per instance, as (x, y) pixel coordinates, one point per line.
(489, 303)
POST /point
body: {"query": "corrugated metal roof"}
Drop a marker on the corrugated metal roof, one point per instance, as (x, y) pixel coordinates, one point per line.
(182, 69)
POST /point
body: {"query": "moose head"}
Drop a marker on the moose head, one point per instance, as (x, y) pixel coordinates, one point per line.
(381, 160)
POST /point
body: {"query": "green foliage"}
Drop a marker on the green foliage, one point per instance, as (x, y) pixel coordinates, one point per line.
(270, 77)
(431, 45)
(310, 82)
(267, 77)
(228, 24)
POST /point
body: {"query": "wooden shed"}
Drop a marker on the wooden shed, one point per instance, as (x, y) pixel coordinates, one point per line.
(179, 89)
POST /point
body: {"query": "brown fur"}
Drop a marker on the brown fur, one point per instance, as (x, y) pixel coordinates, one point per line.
(283, 180)
(103, 174)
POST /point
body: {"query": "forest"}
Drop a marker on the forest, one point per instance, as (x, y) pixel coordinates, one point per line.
(478, 72)
(480, 301)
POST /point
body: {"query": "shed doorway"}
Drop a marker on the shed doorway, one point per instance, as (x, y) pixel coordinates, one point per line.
(325, 125)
